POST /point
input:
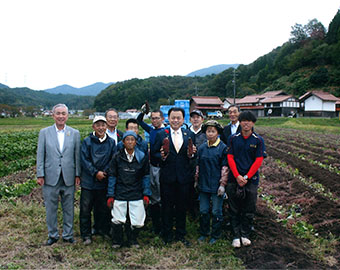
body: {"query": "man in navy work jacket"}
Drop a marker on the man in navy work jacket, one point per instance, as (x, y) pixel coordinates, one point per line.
(157, 119)
(176, 174)
(97, 151)
(246, 151)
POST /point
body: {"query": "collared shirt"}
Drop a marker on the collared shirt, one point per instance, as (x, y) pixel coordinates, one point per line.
(179, 137)
(234, 127)
(194, 131)
(61, 137)
(215, 144)
(129, 157)
(113, 134)
(100, 139)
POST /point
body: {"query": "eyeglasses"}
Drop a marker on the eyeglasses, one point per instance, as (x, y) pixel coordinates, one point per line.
(155, 118)
(112, 117)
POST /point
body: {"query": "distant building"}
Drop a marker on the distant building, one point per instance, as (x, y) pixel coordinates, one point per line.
(254, 103)
(318, 104)
(205, 104)
(229, 101)
(281, 106)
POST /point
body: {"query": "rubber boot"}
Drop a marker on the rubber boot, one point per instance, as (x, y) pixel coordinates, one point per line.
(117, 235)
(216, 227)
(204, 224)
(134, 236)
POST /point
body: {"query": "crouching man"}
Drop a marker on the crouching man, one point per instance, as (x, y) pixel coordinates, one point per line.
(128, 190)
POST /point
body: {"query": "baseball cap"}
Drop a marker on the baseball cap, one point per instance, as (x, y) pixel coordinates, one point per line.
(198, 112)
(99, 118)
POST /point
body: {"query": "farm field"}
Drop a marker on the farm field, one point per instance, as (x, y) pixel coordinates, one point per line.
(298, 210)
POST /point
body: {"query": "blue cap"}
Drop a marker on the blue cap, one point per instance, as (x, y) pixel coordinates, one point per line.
(129, 133)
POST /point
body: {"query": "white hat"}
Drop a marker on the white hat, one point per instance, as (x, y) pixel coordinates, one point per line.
(99, 118)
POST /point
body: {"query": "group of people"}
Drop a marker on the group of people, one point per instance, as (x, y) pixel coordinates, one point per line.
(121, 175)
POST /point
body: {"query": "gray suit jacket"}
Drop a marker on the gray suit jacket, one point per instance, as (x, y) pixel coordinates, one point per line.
(51, 162)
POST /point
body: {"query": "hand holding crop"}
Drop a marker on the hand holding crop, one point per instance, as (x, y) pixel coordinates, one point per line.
(145, 108)
(191, 148)
(165, 148)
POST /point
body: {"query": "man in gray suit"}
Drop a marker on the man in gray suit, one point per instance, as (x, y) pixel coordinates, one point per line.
(58, 169)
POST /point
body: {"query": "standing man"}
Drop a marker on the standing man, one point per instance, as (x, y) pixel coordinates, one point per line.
(96, 153)
(112, 119)
(128, 190)
(234, 125)
(246, 151)
(157, 119)
(173, 146)
(196, 120)
(58, 169)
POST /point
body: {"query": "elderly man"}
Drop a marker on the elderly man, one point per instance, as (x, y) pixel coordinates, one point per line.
(96, 153)
(112, 119)
(58, 169)
(234, 125)
(128, 190)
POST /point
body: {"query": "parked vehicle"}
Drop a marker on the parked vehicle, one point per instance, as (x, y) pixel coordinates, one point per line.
(216, 114)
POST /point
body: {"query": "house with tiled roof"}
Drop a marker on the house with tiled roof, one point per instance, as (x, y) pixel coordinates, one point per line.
(229, 101)
(254, 103)
(318, 103)
(285, 105)
(206, 104)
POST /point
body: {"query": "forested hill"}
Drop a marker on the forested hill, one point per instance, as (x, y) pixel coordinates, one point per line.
(310, 60)
(23, 97)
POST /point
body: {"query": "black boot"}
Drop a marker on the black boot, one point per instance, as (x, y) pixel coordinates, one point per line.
(155, 211)
(204, 224)
(216, 228)
(134, 236)
(117, 235)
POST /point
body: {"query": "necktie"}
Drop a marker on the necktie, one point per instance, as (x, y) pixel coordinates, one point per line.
(175, 141)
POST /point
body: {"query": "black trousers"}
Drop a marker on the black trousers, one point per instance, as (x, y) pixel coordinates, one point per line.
(94, 200)
(174, 199)
(242, 211)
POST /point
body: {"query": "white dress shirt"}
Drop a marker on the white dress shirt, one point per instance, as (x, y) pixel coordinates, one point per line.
(113, 135)
(61, 137)
(234, 127)
(177, 138)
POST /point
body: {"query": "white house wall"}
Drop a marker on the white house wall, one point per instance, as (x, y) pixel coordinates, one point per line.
(314, 103)
(329, 106)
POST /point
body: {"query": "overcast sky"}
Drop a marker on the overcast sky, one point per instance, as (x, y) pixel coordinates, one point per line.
(48, 43)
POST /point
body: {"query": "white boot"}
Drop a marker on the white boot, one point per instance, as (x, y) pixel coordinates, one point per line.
(245, 241)
(236, 243)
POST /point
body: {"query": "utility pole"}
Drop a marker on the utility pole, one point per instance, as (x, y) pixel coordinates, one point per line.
(234, 81)
(196, 91)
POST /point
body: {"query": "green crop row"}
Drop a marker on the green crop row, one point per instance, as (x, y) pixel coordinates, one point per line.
(16, 190)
